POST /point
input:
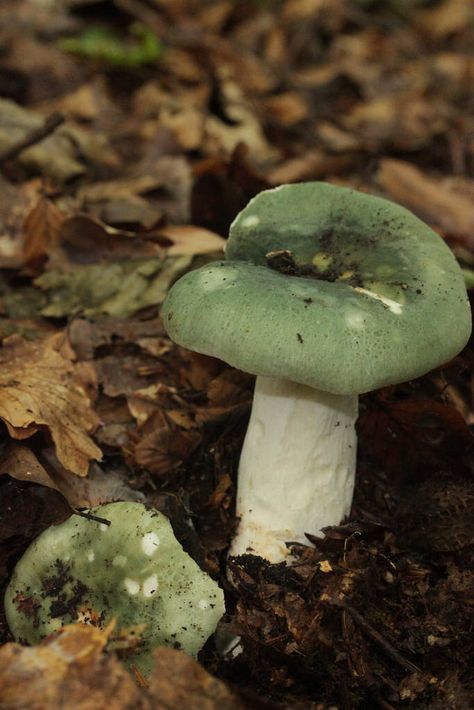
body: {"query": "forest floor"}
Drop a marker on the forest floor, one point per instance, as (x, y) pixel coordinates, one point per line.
(131, 134)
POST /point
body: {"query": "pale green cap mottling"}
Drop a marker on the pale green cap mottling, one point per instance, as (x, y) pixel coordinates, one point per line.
(385, 301)
(133, 570)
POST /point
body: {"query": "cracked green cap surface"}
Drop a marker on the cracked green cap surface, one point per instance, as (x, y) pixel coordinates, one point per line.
(328, 287)
(133, 570)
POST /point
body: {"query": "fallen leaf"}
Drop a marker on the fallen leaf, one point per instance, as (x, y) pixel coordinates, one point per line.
(165, 182)
(117, 289)
(71, 670)
(41, 229)
(64, 155)
(15, 202)
(85, 336)
(41, 388)
(98, 487)
(179, 682)
(85, 240)
(445, 18)
(188, 239)
(313, 165)
(430, 198)
(67, 670)
(18, 461)
(405, 120)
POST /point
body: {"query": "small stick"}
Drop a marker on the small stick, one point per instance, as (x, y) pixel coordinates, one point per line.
(94, 518)
(34, 136)
(376, 637)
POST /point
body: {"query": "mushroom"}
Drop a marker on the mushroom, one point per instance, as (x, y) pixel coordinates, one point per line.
(132, 569)
(325, 293)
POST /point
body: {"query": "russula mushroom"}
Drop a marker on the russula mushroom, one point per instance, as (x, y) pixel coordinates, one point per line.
(133, 570)
(325, 293)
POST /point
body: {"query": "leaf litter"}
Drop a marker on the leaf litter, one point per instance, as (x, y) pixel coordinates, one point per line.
(139, 183)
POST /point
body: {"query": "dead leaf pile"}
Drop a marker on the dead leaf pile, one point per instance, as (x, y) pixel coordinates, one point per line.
(41, 387)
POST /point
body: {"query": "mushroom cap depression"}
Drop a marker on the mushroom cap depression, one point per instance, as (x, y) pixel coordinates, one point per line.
(133, 570)
(328, 287)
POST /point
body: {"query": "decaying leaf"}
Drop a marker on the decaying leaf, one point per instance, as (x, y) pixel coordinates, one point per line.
(180, 682)
(61, 156)
(15, 202)
(41, 387)
(71, 670)
(117, 289)
(68, 670)
(41, 228)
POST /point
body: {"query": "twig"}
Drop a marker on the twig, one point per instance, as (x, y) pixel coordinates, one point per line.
(91, 516)
(34, 136)
(375, 636)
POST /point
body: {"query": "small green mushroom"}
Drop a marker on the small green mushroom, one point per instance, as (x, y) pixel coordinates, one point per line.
(325, 293)
(133, 570)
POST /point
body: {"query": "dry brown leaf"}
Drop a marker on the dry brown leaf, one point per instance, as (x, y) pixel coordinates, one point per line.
(41, 387)
(179, 683)
(313, 165)
(14, 203)
(70, 670)
(445, 18)
(188, 239)
(405, 120)
(431, 199)
(67, 670)
(84, 240)
(19, 462)
(41, 229)
(287, 108)
(168, 179)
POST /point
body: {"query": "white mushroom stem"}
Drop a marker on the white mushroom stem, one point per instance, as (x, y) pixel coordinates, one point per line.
(297, 466)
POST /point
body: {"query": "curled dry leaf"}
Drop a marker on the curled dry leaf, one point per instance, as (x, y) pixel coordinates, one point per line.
(41, 387)
(67, 670)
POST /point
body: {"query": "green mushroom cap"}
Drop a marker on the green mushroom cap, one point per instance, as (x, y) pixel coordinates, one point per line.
(133, 570)
(327, 287)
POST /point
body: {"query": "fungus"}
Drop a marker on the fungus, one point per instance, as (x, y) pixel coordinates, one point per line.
(325, 293)
(133, 570)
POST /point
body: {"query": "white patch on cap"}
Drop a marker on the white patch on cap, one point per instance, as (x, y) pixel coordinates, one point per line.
(203, 604)
(91, 556)
(103, 527)
(131, 586)
(251, 221)
(355, 320)
(150, 585)
(392, 306)
(150, 542)
(119, 561)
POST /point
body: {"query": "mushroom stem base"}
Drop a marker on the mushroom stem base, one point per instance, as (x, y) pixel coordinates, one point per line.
(297, 467)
